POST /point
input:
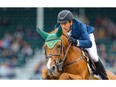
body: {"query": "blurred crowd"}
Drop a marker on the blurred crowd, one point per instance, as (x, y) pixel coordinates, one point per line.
(105, 33)
(14, 52)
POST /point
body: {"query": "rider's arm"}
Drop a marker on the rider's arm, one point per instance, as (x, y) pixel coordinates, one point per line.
(85, 42)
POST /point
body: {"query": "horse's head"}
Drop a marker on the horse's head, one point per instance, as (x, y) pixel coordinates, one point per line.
(54, 46)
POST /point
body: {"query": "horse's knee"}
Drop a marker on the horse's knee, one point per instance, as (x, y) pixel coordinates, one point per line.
(64, 76)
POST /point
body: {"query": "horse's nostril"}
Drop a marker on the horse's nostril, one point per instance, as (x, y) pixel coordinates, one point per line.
(53, 68)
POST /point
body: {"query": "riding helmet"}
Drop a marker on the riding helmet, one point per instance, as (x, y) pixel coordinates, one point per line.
(64, 16)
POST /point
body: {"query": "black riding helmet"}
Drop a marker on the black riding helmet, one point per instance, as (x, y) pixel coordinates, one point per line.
(64, 16)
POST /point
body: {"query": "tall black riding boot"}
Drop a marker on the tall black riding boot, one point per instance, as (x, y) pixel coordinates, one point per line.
(101, 70)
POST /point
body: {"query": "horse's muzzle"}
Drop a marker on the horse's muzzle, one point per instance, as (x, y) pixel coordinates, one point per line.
(52, 70)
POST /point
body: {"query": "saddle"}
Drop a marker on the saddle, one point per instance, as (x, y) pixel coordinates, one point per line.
(90, 62)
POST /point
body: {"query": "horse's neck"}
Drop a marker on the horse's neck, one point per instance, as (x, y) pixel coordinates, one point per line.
(73, 54)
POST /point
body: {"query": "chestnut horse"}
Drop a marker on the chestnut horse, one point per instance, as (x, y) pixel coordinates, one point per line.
(64, 61)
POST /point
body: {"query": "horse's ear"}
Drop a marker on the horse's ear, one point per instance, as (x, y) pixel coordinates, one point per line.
(59, 32)
(42, 33)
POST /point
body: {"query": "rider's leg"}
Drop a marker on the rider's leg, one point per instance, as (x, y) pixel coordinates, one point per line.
(95, 58)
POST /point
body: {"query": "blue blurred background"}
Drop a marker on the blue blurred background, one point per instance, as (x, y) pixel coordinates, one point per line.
(21, 47)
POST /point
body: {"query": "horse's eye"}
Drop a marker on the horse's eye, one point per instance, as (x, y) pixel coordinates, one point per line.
(59, 46)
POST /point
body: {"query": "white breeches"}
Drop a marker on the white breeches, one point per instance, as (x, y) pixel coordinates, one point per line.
(93, 50)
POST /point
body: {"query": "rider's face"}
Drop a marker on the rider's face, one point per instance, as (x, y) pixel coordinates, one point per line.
(66, 26)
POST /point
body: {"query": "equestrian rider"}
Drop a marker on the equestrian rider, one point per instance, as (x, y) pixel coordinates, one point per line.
(81, 35)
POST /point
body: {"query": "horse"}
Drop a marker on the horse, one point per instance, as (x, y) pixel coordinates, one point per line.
(65, 61)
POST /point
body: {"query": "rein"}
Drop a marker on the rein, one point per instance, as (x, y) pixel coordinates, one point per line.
(83, 56)
(61, 63)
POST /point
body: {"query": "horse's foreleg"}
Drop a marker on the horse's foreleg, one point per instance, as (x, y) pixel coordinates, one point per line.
(67, 76)
(44, 73)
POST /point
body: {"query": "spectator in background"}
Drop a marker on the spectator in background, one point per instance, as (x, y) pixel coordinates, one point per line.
(110, 27)
(98, 21)
(6, 41)
(110, 61)
(15, 47)
(19, 32)
(5, 71)
(5, 56)
(27, 50)
(13, 62)
(0, 43)
(101, 33)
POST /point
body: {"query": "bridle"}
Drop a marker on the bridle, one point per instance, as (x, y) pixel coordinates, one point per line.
(60, 62)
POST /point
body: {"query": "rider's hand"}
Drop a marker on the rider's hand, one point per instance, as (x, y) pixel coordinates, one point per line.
(73, 41)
